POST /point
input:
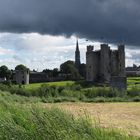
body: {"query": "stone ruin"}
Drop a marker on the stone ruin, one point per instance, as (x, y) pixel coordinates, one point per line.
(22, 76)
(106, 66)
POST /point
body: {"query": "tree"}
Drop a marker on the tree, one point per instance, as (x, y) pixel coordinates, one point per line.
(48, 72)
(21, 67)
(55, 72)
(52, 73)
(82, 70)
(5, 72)
(70, 70)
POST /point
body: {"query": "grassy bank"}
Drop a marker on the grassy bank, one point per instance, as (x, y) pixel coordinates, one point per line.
(23, 118)
(72, 92)
(38, 85)
(131, 82)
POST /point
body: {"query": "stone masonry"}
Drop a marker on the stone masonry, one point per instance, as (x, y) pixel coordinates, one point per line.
(105, 63)
(22, 76)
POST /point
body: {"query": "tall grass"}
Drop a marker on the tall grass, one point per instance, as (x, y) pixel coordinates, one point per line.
(75, 92)
(32, 122)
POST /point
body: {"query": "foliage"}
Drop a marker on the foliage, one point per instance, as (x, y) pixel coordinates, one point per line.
(20, 121)
(52, 73)
(71, 91)
(134, 91)
(5, 72)
(21, 67)
(82, 70)
(70, 70)
(38, 85)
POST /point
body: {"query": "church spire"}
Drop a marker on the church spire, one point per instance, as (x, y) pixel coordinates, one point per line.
(77, 46)
(77, 55)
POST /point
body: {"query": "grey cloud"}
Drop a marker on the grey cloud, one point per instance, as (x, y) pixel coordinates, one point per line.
(113, 21)
(19, 59)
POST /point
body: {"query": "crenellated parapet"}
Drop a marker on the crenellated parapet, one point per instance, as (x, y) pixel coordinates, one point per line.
(105, 63)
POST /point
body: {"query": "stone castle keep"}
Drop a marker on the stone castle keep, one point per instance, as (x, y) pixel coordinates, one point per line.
(105, 65)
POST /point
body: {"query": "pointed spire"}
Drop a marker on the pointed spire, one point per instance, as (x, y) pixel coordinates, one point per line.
(77, 45)
(77, 55)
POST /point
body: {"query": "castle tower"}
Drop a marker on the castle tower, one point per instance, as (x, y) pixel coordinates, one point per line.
(77, 55)
(22, 76)
(121, 59)
(105, 63)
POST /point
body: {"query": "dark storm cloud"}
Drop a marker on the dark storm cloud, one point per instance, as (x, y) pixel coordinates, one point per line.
(114, 21)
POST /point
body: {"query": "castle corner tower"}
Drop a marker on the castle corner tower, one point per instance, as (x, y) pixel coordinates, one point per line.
(77, 55)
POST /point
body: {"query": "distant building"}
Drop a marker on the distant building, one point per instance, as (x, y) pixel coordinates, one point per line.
(77, 56)
(22, 76)
(102, 65)
(133, 71)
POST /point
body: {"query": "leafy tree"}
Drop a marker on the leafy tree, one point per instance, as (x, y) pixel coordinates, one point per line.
(55, 72)
(70, 69)
(52, 73)
(20, 67)
(48, 72)
(5, 72)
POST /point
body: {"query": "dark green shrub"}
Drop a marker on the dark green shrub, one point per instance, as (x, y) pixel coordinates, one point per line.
(134, 91)
(99, 99)
(20, 91)
(75, 87)
(136, 99)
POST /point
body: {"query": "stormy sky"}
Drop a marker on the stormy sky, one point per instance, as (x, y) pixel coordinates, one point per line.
(25, 24)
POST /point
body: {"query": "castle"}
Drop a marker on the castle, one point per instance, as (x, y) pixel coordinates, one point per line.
(106, 65)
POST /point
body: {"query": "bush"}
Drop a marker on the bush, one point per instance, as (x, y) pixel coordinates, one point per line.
(134, 91)
(104, 92)
(48, 93)
(136, 99)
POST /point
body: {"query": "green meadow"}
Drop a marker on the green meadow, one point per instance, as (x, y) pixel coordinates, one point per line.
(41, 111)
(25, 118)
(38, 85)
(131, 82)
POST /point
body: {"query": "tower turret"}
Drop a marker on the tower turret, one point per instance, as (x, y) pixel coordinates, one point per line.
(77, 55)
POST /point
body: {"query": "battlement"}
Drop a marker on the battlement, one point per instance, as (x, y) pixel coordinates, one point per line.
(105, 63)
(90, 48)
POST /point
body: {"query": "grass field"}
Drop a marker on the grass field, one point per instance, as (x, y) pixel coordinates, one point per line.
(37, 85)
(25, 118)
(131, 82)
(124, 116)
(31, 116)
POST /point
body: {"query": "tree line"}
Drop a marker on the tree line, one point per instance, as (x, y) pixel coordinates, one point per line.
(67, 69)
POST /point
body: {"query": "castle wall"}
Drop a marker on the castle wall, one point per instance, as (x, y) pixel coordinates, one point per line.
(106, 66)
(121, 61)
(118, 82)
(114, 63)
(105, 63)
(96, 65)
(89, 66)
(38, 77)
